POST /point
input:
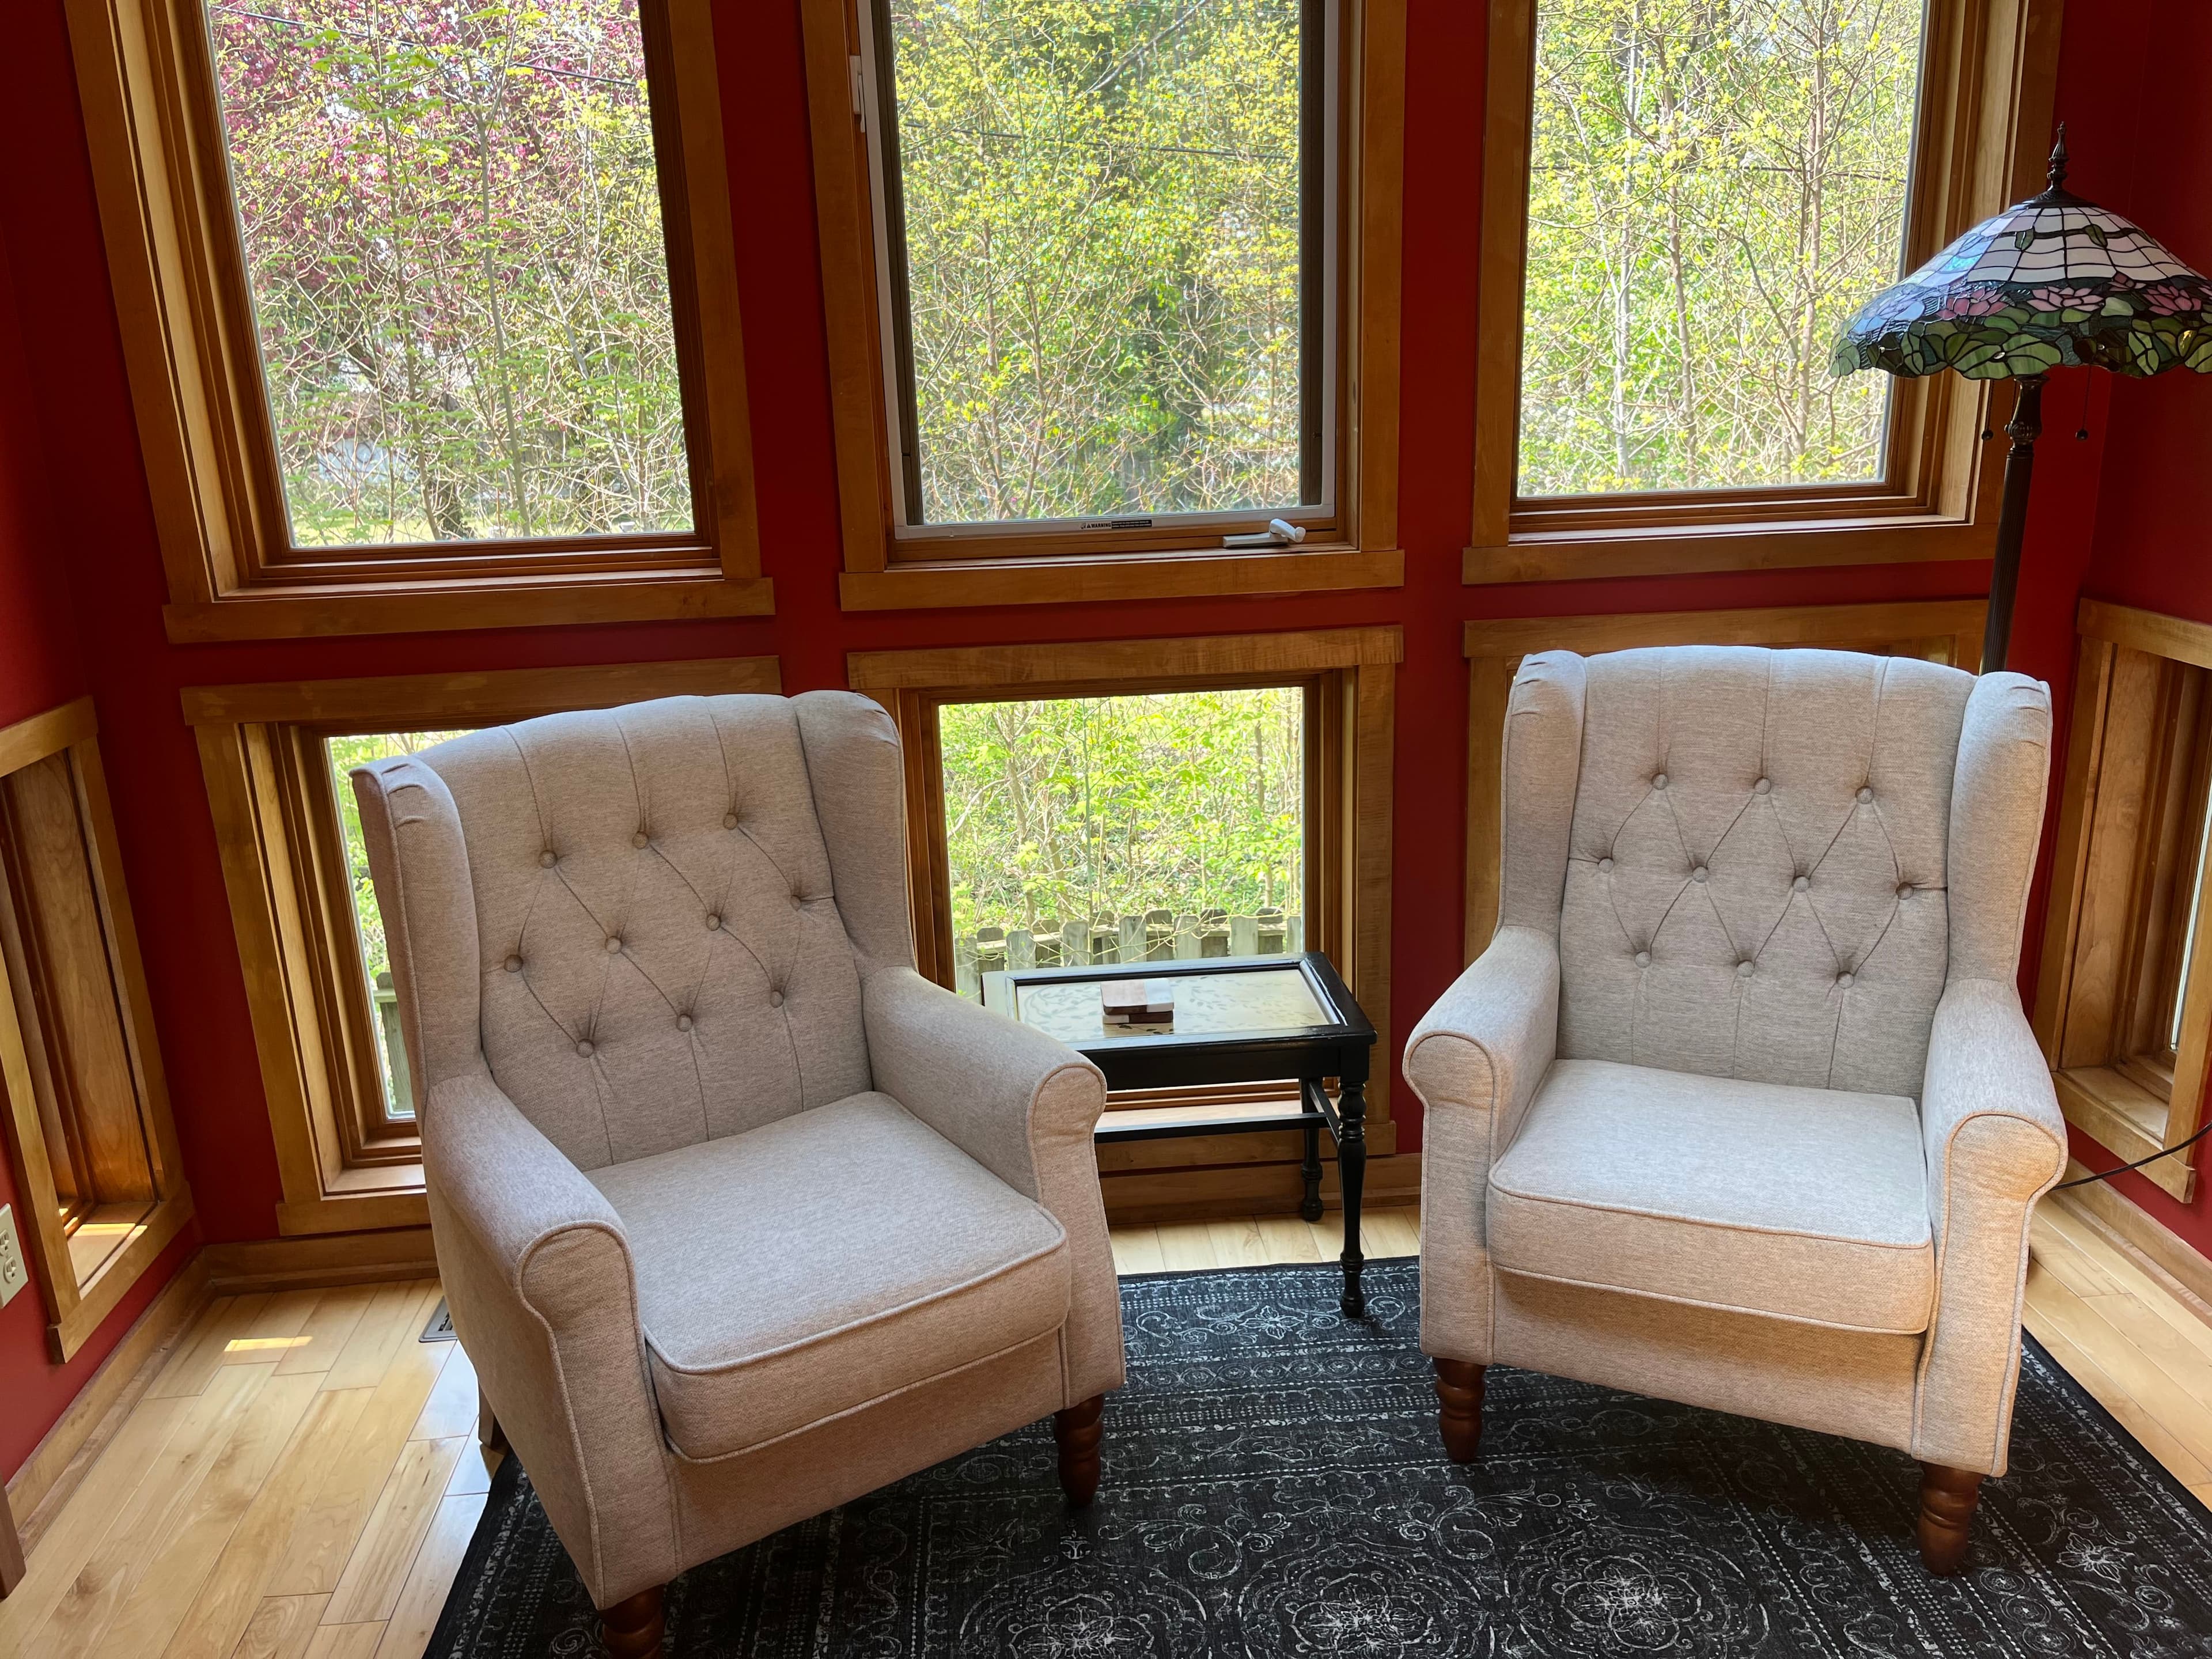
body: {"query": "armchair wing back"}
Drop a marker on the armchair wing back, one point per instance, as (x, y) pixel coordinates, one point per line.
(608, 884)
(1798, 877)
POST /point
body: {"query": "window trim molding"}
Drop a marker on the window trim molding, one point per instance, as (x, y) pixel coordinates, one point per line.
(2090, 1095)
(1936, 630)
(1146, 1180)
(74, 1310)
(1067, 569)
(1991, 73)
(196, 390)
(308, 1055)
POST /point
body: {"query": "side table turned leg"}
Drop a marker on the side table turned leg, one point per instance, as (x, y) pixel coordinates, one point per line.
(1352, 1173)
(1310, 1172)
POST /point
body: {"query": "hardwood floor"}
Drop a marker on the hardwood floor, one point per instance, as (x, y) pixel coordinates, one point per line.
(301, 1477)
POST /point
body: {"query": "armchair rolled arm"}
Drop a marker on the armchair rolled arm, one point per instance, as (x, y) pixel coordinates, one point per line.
(1995, 1142)
(1475, 1060)
(1023, 1105)
(536, 1271)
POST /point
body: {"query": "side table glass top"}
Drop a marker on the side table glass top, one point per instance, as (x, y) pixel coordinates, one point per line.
(1216, 1004)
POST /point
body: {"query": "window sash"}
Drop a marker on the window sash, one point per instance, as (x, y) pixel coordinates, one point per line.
(1321, 322)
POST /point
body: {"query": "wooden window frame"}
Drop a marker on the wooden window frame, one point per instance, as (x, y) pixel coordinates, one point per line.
(1988, 71)
(342, 1166)
(1353, 674)
(1358, 549)
(175, 257)
(75, 1309)
(1934, 630)
(2119, 936)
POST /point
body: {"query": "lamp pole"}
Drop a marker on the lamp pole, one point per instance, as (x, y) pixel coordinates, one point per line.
(2024, 429)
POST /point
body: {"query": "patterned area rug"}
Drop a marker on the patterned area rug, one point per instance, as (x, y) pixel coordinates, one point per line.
(1274, 1485)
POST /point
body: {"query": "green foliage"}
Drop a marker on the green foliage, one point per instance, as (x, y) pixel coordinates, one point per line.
(346, 753)
(1102, 237)
(1714, 186)
(452, 222)
(1073, 808)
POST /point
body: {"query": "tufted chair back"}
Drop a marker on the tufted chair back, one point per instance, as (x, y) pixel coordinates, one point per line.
(640, 916)
(1762, 876)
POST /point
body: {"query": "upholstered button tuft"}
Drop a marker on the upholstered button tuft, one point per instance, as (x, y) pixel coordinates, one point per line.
(682, 1022)
(1905, 891)
(1700, 873)
(614, 947)
(1605, 866)
(1660, 781)
(1865, 797)
(1843, 981)
(546, 858)
(1643, 958)
(1743, 970)
(775, 999)
(584, 1048)
(713, 921)
(1762, 786)
(515, 965)
(640, 840)
(1801, 883)
(729, 820)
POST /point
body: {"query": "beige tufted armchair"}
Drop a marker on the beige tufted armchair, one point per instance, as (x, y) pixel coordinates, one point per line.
(1739, 1107)
(738, 1215)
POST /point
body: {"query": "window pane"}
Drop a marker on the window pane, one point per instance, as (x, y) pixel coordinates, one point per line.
(345, 754)
(452, 234)
(1081, 829)
(1714, 185)
(1103, 256)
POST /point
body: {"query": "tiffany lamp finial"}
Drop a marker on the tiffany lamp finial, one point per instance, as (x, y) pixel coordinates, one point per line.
(2052, 282)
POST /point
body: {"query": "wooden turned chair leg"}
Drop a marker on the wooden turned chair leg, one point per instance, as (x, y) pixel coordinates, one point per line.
(1459, 1396)
(1948, 1497)
(633, 1629)
(1077, 1430)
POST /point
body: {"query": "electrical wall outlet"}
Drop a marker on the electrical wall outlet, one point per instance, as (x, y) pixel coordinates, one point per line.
(13, 1275)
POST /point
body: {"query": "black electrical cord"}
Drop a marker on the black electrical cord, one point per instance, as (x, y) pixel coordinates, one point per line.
(2106, 1175)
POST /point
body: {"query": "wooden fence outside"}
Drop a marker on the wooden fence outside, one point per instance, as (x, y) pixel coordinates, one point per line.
(1141, 936)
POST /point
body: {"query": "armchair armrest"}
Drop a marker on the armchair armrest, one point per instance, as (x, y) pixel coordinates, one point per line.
(1475, 1060)
(1024, 1106)
(1995, 1142)
(537, 1270)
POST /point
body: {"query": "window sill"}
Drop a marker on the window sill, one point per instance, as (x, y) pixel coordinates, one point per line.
(1680, 550)
(2125, 1119)
(1102, 578)
(424, 607)
(350, 1204)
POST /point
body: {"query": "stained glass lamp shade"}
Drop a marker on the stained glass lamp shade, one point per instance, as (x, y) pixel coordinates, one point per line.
(2050, 283)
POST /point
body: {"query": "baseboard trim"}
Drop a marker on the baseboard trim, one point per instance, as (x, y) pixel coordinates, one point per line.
(52, 1470)
(320, 1260)
(1140, 1196)
(2158, 1251)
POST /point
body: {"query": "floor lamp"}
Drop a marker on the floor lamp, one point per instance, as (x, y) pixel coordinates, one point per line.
(2053, 281)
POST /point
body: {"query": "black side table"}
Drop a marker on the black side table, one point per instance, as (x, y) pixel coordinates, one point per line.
(1237, 1019)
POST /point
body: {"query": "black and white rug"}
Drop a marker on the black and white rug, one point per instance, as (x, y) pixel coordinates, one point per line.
(1274, 1486)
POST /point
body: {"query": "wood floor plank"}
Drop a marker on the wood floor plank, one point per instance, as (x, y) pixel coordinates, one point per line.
(1389, 1232)
(273, 1333)
(237, 1585)
(1288, 1239)
(2160, 1397)
(472, 1470)
(2128, 1279)
(386, 1324)
(1236, 1242)
(376, 1572)
(2123, 1406)
(1137, 1249)
(1186, 1246)
(452, 1407)
(281, 1628)
(423, 1598)
(345, 1642)
(2187, 1364)
(1328, 1235)
(90, 1602)
(198, 1534)
(196, 1361)
(325, 1535)
(335, 1318)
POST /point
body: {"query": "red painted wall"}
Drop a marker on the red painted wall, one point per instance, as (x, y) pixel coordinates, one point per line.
(86, 449)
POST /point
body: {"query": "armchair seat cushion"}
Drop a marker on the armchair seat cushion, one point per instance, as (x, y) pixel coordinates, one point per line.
(803, 1269)
(1803, 1204)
